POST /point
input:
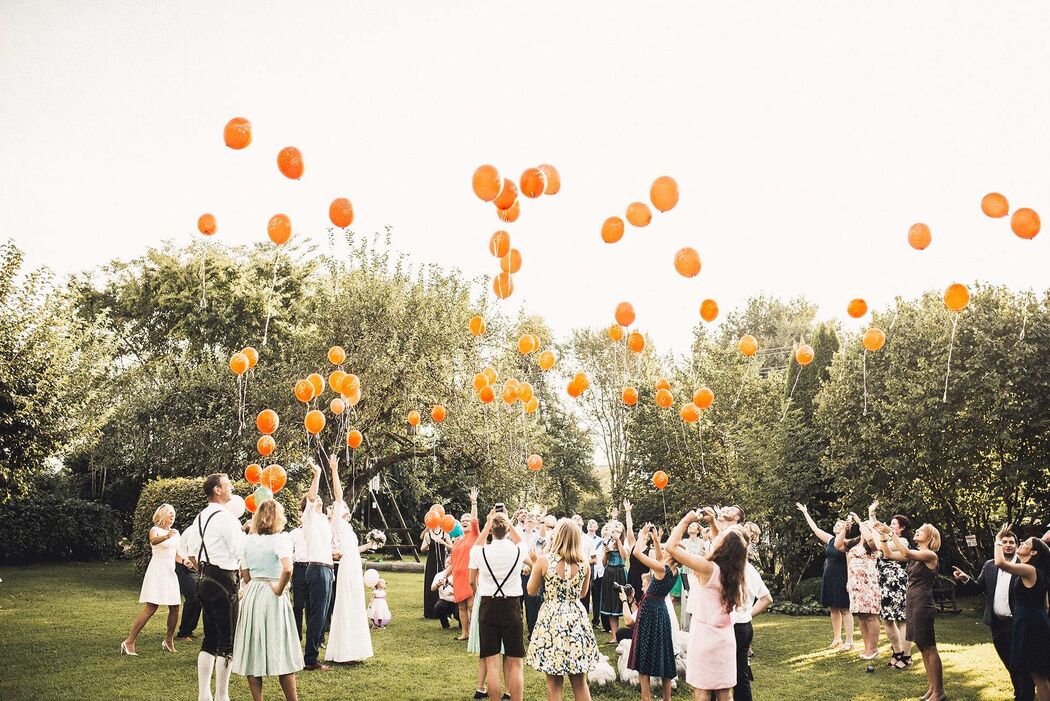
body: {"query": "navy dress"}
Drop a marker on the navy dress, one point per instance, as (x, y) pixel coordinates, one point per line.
(1030, 649)
(652, 646)
(833, 592)
(635, 572)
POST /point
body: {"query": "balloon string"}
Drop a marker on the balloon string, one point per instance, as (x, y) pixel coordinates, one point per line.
(204, 275)
(700, 428)
(791, 394)
(743, 377)
(1024, 321)
(951, 345)
(663, 500)
(269, 299)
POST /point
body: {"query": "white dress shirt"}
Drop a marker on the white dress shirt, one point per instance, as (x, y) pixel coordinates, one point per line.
(754, 589)
(598, 550)
(1001, 602)
(500, 554)
(445, 590)
(298, 545)
(318, 534)
(223, 538)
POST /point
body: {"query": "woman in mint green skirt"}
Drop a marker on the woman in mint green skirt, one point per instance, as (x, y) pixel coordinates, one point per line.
(266, 643)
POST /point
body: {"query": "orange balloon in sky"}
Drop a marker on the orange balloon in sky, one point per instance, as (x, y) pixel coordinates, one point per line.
(487, 183)
(477, 325)
(502, 285)
(337, 405)
(546, 360)
(341, 212)
(486, 394)
(1025, 223)
(709, 310)
(413, 418)
(499, 244)
(664, 193)
(239, 363)
(553, 178)
(612, 230)
(480, 381)
(511, 263)
(206, 224)
(266, 445)
(511, 215)
(804, 354)
(574, 390)
(995, 205)
(507, 196)
(533, 182)
(639, 214)
(267, 421)
(303, 391)
(660, 479)
(336, 355)
(629, 396)
(535, 462)
(919, 236)
(664, 398)
(527, 344)
(532, 405)
(317, 381)
(874, 339)
(957, 297)
(663, 383)
(314, 422)
(624, 314)
(636, 342)
(252, 473)
(690, 413)
(354, 438)
(238, 133)
(252, 354)
(290, 162)
(703, 398)
(747, 345)
(616, 332)
(687, 262)
(491, 374)
(279, 229)
(857, 308)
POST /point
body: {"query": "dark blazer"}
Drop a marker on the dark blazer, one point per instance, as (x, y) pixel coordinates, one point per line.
(989, 578)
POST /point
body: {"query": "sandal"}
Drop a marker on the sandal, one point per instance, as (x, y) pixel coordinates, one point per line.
(837, 642)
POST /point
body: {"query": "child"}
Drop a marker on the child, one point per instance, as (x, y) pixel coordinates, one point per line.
(378, 611)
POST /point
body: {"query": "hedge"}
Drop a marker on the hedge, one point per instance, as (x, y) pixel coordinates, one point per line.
(187, 496)
(50, 528)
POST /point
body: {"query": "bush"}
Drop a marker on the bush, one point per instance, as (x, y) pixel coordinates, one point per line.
(187, 496)
(807, 589)
(809, 607)
(51, 528)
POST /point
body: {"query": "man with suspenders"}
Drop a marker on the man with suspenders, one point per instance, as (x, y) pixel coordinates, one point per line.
(499, 567)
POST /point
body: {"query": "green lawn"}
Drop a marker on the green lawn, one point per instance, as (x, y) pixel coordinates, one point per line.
(60, 628)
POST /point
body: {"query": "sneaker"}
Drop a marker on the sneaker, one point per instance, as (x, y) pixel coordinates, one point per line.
(479, 694)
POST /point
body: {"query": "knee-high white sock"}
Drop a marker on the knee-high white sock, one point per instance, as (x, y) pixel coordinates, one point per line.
(205, 665)
(223, 669)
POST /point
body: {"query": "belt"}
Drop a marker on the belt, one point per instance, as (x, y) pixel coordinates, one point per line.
(997, 617)
(320, 564)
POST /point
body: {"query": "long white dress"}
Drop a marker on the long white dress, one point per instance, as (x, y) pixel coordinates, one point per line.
(349, 639)
(161, 585)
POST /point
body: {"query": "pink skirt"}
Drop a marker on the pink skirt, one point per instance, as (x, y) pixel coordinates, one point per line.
(711, 659)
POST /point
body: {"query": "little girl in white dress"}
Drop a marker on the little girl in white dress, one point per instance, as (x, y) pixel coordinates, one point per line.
(378, 611)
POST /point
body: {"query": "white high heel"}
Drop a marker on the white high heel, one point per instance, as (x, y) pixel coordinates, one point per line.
(164, 645)
(124, 649)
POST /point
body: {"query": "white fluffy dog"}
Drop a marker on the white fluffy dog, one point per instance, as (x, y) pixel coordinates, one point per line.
(602, 674)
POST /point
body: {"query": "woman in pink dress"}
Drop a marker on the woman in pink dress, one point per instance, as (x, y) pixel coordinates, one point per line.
(717, 581)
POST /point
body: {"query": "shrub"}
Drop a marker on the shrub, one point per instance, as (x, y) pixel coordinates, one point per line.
(807, 589)
(809, 607)
(51, 528)
(187, 496)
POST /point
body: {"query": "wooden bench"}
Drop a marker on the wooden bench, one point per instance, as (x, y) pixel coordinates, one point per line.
(944, 595)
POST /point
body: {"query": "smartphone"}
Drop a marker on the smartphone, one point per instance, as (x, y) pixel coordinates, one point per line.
(500, 506)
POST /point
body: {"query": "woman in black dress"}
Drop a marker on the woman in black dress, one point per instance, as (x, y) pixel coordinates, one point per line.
(920, 610)
(1030, 646)
(435, 543)
(652, 648)
(833, 592)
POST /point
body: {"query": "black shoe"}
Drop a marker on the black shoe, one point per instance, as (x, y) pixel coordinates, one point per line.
(480, 694)
(505, 697)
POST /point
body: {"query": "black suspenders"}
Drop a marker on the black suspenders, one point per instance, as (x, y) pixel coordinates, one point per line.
(499, 594)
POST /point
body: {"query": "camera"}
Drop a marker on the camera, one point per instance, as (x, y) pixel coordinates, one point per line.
(627, 589)
(500, 507)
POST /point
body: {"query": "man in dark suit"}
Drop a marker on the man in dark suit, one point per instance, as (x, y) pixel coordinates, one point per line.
(998, 612)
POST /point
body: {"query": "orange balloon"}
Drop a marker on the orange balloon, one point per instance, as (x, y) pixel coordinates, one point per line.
(351, 384)
(252, 355)
(629, 396)
(413, 418)
(341, 212)
(527, 344)
(525, 392)
(624, 314)
(499, 244)
(703, 398)
(274, 477)
(432, 520)
(636, 342)
(279, 229)
(353, 398)
(487, 183)
(336, 379)
(303, 390)
(612, 230)
(206, 224)
(491, 374)
(857, 308)
(995, 205)
(535, 462)
(690, 413)
(509, 215)
(533, 182)
(267, 421)
(511, 263)
(532, 405)
(354, 438)
(919, 236)
(252, 473)
(477, 325)
(486, 394)
(249, 503)
(238, 133)
(664, 398)
(439, 510)
(508, 196)
(1025, 223)
(660, 479)
(337, 405)
(582, 380)
(550, 173)
(709, 310)
(448, 522)
(664, 193)
(616, 332)
(574, 390)
(480, 381)
(336, 355)
(509, 393)
(266, 445)
(290, 162)
(663, 383)
(318, 382)
(747, 345)
(314, 422)
(239, 363)
(638, 214)
(502, 285)
(804, 354)
(687, 262)
(438, 413)
(957, 297)
(546, 360)
(874, 339)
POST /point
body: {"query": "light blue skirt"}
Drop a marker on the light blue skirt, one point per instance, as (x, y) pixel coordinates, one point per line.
(266, 643)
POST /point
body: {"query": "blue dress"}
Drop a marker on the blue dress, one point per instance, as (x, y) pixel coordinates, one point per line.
(1030, 648)
(614, 574)
(652, 646)
(833, 592)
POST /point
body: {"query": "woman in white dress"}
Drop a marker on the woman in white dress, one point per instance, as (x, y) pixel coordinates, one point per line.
(160, 586)
(349, 639)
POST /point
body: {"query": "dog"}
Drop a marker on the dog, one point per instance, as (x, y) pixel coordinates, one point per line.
(603, 673)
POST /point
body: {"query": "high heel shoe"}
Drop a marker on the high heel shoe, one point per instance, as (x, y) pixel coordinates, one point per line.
(169, 648)
(124, 649)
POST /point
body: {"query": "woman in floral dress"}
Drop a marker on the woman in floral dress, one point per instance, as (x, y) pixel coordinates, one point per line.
(865, 596)
(562, 642)
(893, 583)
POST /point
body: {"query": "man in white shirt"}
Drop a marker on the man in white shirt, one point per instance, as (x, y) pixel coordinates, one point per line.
(756, 599)
(215, 543)
(597, 553)
(298, 577)
(320, 575)
(445, 607)
(498, 567)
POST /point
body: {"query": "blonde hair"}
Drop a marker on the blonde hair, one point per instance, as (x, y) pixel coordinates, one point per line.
(158, 515)
(933, 537)
(269, 518)
(566, 542)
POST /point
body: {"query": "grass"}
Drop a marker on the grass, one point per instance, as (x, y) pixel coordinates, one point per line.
(61, 625)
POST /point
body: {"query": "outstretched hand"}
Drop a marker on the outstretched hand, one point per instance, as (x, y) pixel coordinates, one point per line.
(333, 462)
(473, 495)
(315, 468)
(801, 507)
(1003, 531)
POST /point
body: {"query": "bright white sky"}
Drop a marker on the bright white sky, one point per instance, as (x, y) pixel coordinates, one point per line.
(806, 138)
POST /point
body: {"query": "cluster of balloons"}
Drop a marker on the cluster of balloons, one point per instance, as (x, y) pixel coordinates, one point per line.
(509, 263)
(624, 316)
(513, 390)
(243, 360)
(437, 518)
(703, 398)
(490, 186)
(267, 422)
(271, 479)
(663, 193)
(1024, 222)
(579, 384)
